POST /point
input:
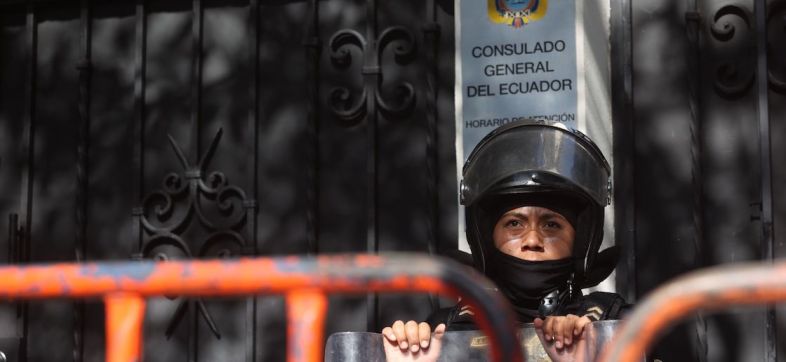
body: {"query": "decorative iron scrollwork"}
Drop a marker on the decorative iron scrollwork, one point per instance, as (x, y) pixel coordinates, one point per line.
(730, 82)
(342, 107)
(340, 44)
(724, 30)
(351, 110)
(188, 199)
(405, 95)
(405, 40)
(733, 77)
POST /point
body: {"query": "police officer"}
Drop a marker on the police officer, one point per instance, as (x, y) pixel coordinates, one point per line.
(534, 195)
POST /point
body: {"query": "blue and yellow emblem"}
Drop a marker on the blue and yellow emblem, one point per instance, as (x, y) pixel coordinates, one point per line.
(516, 13)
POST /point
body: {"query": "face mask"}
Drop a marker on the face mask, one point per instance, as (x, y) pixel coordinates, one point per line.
(525, 283)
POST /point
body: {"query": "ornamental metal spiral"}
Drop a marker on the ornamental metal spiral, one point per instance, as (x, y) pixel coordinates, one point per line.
(735, 76)
(193, 198)
(351, 110)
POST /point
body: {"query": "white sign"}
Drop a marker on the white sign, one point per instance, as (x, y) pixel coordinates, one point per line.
(514, 59)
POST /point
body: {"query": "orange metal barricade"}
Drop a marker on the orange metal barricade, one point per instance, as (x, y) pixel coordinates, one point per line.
(707, 289)
(304, 281)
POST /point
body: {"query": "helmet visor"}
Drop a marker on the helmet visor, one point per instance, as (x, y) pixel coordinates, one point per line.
(537, 155)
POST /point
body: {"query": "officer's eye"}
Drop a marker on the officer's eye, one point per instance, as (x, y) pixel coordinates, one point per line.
(553, 225)
(513, 223)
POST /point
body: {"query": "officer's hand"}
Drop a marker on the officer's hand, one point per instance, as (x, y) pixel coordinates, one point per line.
(412, 341)
(562, 330)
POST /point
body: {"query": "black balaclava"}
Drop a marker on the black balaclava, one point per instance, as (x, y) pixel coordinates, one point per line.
(526, 283)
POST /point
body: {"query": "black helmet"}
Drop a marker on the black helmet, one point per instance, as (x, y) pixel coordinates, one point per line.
(539, 159)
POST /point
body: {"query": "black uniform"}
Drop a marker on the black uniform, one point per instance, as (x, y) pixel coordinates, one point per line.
(596, 306)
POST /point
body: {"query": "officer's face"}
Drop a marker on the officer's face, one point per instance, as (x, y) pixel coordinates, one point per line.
(534, 233)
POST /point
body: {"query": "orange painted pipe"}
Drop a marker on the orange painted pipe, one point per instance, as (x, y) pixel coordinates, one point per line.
(124, 314)
(707, 289)
(333, 274)
(304, 279)
(305, 325)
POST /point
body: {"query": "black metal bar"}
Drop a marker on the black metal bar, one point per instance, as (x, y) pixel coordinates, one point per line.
(29, 2)
(313, 44)
(139, 110)
(254, 116)
(624, 140)
(82, 172)
(196, 132)
(192, 321)
(693, 33)
(196, 83)
(31, 43)
(693, 22)
(82, 169)
(431, 35)
(255, 112)
(13, 238)
(431, 32)
(14, 249)
(371, 83)
(763, 115)
(140, 89)
(30, 115)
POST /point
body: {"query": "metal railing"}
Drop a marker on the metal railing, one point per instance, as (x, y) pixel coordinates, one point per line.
(708, 289)
(304, 281)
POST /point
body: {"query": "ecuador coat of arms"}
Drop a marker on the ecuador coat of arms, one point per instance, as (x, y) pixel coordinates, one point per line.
(516, 13)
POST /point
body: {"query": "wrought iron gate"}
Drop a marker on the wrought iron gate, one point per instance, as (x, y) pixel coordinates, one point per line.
(189, 129)
(177, 129)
